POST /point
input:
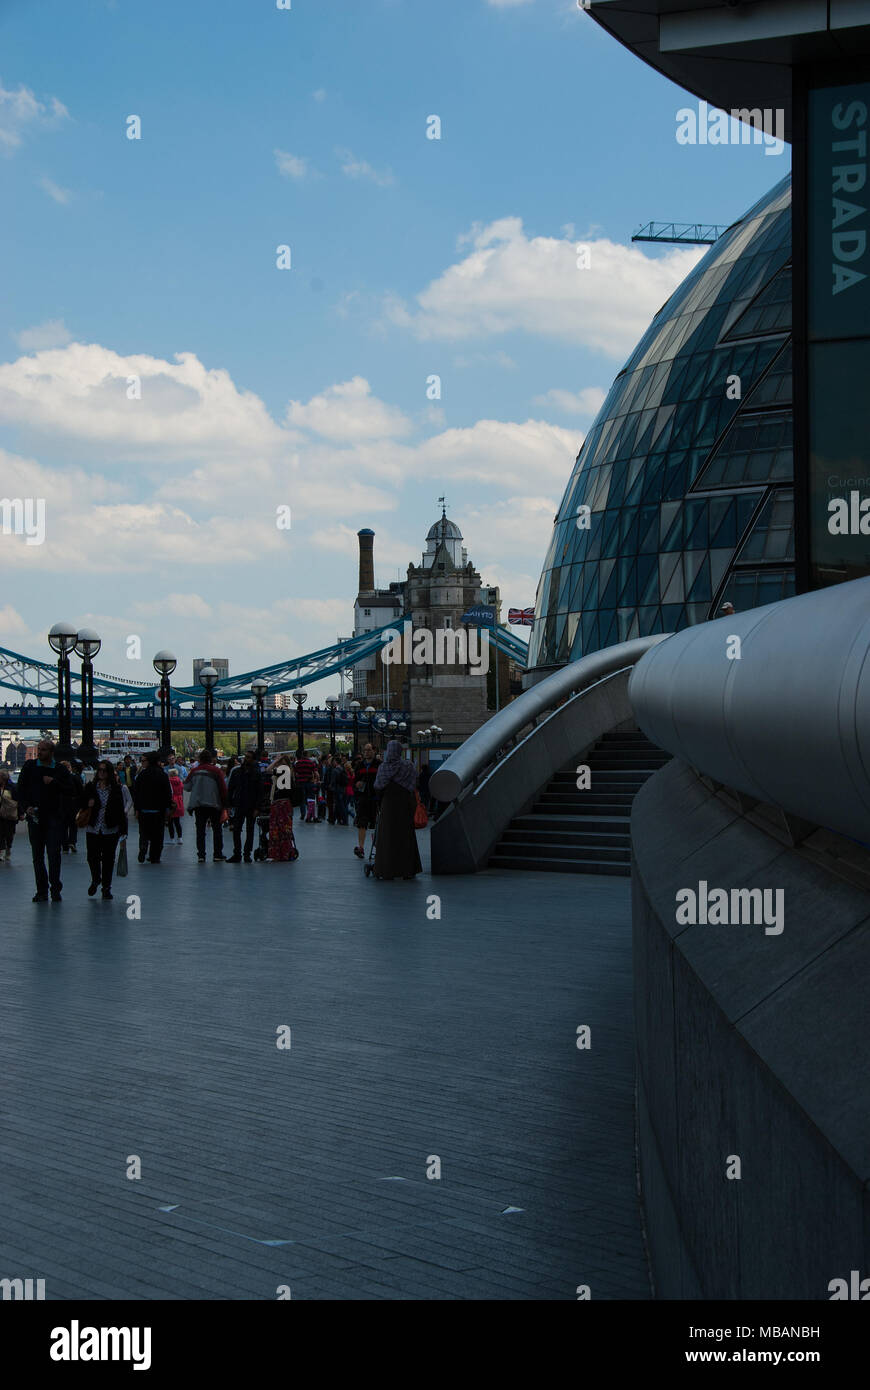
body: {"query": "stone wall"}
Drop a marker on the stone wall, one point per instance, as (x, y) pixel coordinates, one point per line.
(752, 1046)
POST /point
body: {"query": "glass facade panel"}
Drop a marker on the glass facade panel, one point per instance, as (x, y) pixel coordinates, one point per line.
(690, 489)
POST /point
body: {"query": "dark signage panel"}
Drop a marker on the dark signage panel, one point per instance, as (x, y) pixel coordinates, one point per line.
(838, 332)
(839, 221)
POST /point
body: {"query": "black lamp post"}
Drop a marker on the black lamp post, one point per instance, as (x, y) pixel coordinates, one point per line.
(299, 698)
(331, 705)
(87, 646)
(258, 690)
(355, 706)
(382, 724)
(370, 715)
(164, 664)
(208, 679)
(403, 729)
(62, 639)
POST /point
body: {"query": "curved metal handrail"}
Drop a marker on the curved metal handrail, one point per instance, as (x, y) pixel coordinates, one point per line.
(774, 703)
(484, 747)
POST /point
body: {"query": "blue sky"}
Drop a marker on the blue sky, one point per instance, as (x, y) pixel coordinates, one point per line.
(307, 387)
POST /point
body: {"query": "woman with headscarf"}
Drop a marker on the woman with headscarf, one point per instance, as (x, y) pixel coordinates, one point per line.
(397, 855)
(282, 845)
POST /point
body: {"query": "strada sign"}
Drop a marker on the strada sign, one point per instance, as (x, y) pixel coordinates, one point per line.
(838, 332)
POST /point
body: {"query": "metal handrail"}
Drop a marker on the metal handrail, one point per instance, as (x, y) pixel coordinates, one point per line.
(479, 752)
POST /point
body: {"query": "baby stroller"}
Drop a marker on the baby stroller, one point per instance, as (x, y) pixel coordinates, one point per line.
(262, 850)
(263, 811)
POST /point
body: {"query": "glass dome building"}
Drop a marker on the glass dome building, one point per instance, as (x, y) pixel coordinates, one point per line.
(687, 470)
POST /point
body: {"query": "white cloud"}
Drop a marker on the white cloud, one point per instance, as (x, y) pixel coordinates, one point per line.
(11, 622)
(513, 283)
(320, 94)
(52, 333)
(588, 401)
(361, 169)
(20, 110)
(485, 359)
(292, 166)
(502, 454)
(348, 412)
(186, 410)
(54, 190)
(179, 605)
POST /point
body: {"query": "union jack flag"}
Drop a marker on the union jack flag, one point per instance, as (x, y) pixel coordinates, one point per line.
(521, 617)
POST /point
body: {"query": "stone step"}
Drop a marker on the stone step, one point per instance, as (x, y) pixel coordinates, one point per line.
(503, 860)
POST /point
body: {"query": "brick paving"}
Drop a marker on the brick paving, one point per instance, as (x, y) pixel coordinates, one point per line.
(410, 1038)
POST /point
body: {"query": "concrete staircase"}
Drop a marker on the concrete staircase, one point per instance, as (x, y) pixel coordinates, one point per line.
(583, 832)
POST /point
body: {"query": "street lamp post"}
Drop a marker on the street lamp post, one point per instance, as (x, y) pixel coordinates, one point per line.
(355, 706)
(62, 639)
(370, 715)
(208, 679)
(258, 690)
(299, 697)
(382, 724)
(403, 729)
(87, 646)
(164, 664)
(331, 705)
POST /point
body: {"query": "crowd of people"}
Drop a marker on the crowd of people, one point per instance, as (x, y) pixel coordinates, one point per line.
(250, 797)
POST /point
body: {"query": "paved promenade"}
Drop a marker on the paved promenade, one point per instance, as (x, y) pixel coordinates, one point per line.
(411, 1039)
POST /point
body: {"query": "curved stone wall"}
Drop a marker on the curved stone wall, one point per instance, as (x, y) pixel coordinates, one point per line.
(752, 1046)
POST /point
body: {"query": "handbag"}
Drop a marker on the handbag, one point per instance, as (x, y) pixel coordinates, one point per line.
(83, 817)
(421, 819)
(121, 867)
(8, 807)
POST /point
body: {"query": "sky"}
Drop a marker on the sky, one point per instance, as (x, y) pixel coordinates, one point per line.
(171, 381)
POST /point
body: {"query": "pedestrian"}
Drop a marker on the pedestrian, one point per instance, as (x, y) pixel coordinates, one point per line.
(397, 855)
(8, 815)
(312, 791)
(152, 797)
(207, 802)
(42, 788)
(106, 826)
(304, 769)
(365, 799)
(282, 845)
(244, 791)
(349, 787)
(73, 802)
(339, 792)
(323, 778)
(176, 810)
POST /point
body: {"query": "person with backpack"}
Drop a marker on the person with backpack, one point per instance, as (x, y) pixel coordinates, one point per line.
(207, 801)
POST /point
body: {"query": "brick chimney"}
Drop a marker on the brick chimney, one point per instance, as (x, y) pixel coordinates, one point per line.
(366, 561)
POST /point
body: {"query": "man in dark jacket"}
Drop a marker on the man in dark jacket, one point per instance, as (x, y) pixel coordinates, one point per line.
(42, 793)
(244, 791)
(152, 797)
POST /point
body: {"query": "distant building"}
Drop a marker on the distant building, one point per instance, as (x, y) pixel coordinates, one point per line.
(220, 664)
(436, 594)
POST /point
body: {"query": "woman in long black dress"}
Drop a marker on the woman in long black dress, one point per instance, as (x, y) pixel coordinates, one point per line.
(397, 855)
